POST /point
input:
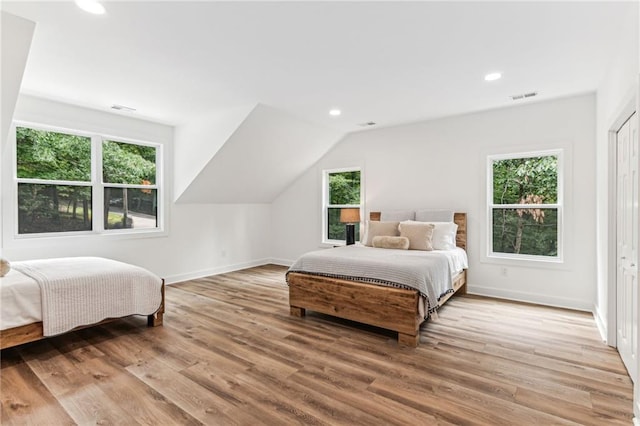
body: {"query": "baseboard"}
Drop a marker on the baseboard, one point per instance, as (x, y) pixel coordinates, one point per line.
(600, 323)
(540, 299)
(281, 262)
(173, 279)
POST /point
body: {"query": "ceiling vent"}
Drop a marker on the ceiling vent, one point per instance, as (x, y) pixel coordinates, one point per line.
(524, 96)
(368, 123)
(122, 108)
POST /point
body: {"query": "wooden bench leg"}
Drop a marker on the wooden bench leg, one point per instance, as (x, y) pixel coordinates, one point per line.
(155, 320)
(408, 339)
(297, 312)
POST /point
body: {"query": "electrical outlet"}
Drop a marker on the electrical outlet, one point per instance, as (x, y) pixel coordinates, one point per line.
(504, 272)
(223, 253)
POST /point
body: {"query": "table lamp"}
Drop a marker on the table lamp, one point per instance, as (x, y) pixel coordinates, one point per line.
(350, 216)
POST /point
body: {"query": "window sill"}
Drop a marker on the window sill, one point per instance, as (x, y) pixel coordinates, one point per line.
(525, 262)
(57, 238)
(331, 244)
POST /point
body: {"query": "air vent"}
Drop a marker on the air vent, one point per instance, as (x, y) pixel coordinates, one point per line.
(122, 108)
(524, 96)
(368, 123)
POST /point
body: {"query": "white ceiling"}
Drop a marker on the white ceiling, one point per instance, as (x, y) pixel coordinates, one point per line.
(377, 61)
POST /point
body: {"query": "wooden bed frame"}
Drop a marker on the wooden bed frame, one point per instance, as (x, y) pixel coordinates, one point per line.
(32, 332)
(386, 307)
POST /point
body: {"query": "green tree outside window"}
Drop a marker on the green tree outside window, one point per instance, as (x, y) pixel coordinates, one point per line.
(343, 191)
(525, 205)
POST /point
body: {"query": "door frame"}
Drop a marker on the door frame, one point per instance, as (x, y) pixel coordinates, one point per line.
(612, 312)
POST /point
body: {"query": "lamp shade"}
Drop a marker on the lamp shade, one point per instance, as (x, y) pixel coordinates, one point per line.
(350, 215)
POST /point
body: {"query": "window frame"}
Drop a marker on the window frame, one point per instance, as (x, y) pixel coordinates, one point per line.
(326, 206)
(96, 183)
(558, 206)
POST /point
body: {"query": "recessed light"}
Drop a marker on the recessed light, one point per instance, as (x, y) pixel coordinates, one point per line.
(91, 6)
(335, 112)
(493, 76)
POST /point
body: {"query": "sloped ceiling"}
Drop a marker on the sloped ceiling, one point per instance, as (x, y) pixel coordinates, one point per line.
(197, 141)
(390, 62)
(387, 62)
(267, 151)
(16, 38)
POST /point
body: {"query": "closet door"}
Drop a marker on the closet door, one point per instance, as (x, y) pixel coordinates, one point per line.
(627, 244)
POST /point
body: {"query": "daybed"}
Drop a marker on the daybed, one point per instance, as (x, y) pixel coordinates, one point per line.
(43, 298)
(391, 305)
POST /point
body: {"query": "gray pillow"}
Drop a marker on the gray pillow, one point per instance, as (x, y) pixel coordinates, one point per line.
(397, 215)
(434, 215)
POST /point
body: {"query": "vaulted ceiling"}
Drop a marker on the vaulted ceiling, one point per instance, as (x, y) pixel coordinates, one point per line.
(386, 62)
(249, 85)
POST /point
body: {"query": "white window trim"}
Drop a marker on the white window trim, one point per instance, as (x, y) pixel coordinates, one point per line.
(96, 184)
(326, 205)
(559, 206)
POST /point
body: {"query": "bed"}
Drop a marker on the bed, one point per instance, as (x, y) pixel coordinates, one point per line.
(47, 297)
(391, 307)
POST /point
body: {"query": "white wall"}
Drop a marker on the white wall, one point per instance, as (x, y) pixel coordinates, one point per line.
(199, 140)
(267, 151)
(616, 92)
(441, 164)
(201, 239)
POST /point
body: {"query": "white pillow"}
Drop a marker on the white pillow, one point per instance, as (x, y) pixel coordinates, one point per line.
(434, 215)
(419, 234)
(444, 235)
(375, 228)
(397, 215)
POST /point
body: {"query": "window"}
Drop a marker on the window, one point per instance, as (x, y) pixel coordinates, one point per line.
(63, 179)
(525, 205)
(342, 189)
(130, 191)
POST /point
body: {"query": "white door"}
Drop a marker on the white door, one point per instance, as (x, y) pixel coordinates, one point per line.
(627, 244)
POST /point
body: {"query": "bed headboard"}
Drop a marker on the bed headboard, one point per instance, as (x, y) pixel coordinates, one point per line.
(459, 218)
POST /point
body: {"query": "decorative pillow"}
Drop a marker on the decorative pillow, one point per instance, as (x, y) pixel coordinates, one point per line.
(444, 235)
(418, 233)
(434, 215)
(5, 267)
(399, 243)
(397, 215)
(375, 228)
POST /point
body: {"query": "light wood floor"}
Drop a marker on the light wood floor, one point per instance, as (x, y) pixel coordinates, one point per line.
(229, 353)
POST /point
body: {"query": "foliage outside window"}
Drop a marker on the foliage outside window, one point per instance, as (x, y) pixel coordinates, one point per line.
(342, 190)
(57, 182)
(130, 191)
(525, 205)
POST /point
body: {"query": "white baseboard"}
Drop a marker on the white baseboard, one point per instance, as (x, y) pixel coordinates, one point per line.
(541, 299)
(281, 262)
(600, 323)
(173, 279)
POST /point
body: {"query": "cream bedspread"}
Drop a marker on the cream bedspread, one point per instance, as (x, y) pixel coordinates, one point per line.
(19, 300)
(80, 291)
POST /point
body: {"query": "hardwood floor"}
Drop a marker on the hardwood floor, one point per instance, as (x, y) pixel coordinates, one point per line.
(229, 353)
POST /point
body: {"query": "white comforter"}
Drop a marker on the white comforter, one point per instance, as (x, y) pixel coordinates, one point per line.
(429, 272)
(85, 290)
